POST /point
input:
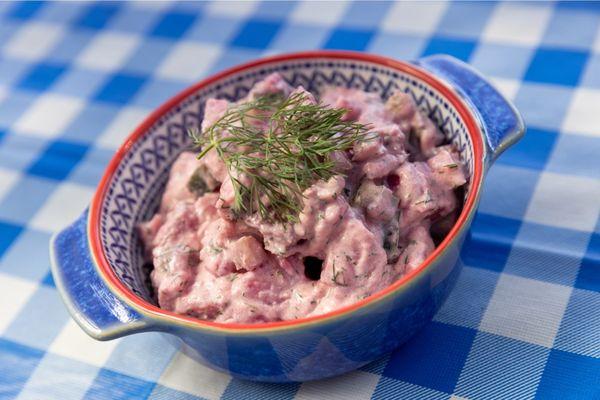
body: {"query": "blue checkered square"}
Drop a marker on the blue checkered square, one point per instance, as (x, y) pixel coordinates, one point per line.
(173, 25)
(25, 10)
(49, 280)
(589, 274)
(256, 34)
(120, 88)
(569, 375)
(97, 15)
(531, 152)
(41, 77)
(459, 48)
(349, 39)
(490, 241)
(8, 234)
(561, 67)
(58, 160)
(421, 362)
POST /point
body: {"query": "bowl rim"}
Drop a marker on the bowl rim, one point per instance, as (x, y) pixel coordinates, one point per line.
(153, 312)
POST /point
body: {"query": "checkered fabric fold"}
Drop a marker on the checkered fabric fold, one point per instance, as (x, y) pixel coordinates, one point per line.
(524, 319)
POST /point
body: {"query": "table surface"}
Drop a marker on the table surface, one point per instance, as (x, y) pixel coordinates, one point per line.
(524, 319)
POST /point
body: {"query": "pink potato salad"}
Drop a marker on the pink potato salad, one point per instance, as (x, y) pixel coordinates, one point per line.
(291, 206)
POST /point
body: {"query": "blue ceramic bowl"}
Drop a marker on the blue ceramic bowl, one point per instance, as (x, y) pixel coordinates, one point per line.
(97, 261)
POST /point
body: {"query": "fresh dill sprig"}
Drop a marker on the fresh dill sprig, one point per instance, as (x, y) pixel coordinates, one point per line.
(274, 148)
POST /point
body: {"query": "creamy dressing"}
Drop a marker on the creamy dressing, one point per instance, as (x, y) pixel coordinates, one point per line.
(357, 233)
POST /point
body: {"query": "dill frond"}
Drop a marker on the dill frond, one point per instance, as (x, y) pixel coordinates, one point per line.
(281, 146)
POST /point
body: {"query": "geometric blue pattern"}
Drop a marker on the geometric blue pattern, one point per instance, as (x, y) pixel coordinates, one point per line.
(516, 236)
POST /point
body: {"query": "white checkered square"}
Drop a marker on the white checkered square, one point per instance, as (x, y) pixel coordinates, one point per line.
(186, 375)
(517, 23)
(49, 115)
(526, 309)
(508, 87)
(73, 342)
(582, 115)
(501, 368)
(8, 178)
(63, 206)
(108, 51)
(188, 61)
(354, 385)
(565, 201)
(33, 41)
(414, 17)
(14, 293)
(231, 8)
(122, 126)
(56, 377)
(319, 13)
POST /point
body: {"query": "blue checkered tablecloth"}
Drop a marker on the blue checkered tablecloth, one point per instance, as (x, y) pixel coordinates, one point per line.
(524, 319)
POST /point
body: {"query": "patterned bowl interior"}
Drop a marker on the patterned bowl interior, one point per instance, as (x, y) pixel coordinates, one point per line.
(137, 184)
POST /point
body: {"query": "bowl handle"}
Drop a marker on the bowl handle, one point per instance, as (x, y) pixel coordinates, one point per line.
(89, 301)
(502, 123)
